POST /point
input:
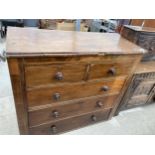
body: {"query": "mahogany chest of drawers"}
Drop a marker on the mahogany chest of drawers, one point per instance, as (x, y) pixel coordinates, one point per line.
(66, 80)
(142, 36)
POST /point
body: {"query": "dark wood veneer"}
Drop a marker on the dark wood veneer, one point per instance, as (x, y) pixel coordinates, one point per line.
(66, 80)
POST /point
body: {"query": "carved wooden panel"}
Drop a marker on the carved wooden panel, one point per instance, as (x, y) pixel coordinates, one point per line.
(141, 91)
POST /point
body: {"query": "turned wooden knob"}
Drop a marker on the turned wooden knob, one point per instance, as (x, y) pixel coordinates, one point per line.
(93, 118)
(112, 71)
(99, 104)
(105, 88)
(59, 76)
(53, 129)
(56, 96)
(55, 114)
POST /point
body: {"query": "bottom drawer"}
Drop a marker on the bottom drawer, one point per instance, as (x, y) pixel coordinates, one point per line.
(71, 123)
(72, 109)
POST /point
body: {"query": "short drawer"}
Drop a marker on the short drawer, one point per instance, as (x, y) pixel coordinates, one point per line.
(71, 123)
(65, 92)
(54, 74)
(105, 70)
(74, 108)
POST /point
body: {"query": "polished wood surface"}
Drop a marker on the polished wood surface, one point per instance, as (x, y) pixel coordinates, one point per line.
(61, 83)
(35, 42)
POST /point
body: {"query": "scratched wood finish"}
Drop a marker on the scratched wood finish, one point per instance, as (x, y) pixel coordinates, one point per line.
(60, 111)
(66, 92)
(71, 123)
(82, 61)
(34, 42)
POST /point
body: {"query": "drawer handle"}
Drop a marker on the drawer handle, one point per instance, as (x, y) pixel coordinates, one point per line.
(93, 118)
(105, 88)
(59, 76)
(56, 96)
(55, 114)
(53, 129)
(112, 71)
(99, 104)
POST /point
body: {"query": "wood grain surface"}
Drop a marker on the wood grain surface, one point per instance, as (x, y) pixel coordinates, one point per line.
(36, 42)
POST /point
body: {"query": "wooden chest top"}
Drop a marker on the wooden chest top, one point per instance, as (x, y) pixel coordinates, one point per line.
(141, 29)
(23, 42)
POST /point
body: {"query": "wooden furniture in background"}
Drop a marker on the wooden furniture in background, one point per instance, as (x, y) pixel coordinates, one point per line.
(149, 23)
(66, 80)
(146, 22)
(142, 36)
(141, 90)
(136, 22)
(65, 25)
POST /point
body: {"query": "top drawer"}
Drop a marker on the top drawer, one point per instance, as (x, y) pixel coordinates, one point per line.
(50, 71)
(54, 73)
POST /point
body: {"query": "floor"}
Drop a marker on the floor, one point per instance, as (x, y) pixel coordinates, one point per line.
(136, 121)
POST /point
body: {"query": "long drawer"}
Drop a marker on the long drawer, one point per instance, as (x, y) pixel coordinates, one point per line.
(71, 123)
(59, 93)
(52, 113)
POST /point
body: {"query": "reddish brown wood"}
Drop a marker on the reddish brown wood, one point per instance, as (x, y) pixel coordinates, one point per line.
(59, 111)
(71, 123)
(61, 80)
(48, 74)
(49, 95)
(17, 78)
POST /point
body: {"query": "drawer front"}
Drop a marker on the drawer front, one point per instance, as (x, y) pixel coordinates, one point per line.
(53, 113)
(53, 74)
(47, 71)
(109, 70)
(71, 123)
(50, 95)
